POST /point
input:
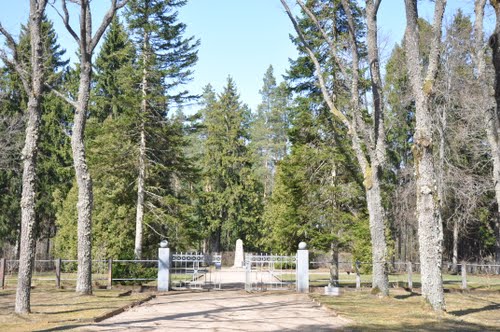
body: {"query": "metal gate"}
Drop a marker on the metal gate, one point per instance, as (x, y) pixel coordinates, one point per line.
(270, 272)
(194, 271)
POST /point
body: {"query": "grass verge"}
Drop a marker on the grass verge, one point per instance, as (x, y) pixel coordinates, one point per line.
(403, 311)
(52, 309)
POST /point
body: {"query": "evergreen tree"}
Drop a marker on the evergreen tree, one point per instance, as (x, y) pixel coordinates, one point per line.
(114, 119)
(111, 161)
(231, 201)
(166, 58)
(53, 160)
(269, 130)
(111, 153)
(115, 75)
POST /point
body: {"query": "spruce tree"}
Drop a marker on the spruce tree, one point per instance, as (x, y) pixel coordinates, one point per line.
(116, 75)
(268, 130)
(231, 201)
(53, 160)
(166, 58)
(111, 153)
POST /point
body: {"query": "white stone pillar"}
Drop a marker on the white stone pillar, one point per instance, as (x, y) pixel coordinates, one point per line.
(302, 268)
(164, 262)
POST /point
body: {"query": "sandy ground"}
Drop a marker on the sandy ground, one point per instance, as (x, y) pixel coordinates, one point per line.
(224, 311)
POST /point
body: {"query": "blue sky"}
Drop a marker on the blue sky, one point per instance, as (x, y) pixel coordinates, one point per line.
(240, 38)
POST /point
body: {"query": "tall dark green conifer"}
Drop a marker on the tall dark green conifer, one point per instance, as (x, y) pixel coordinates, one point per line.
(54, 173)
(231, 199)
(166, 58)
(269, 130)
(111, 154)
(116, 75)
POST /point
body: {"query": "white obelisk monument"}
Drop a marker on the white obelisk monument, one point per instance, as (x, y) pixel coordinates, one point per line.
(239, 255)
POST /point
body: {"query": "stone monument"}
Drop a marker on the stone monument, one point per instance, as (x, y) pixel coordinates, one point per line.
(239, 255)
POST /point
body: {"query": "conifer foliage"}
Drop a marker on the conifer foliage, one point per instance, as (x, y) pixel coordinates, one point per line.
(387, 162)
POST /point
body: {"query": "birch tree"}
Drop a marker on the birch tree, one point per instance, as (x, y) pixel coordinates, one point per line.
(430, 229)
(32, 81)
(367, 141)
(87, 42)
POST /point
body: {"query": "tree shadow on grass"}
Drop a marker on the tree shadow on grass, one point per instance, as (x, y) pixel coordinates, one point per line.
(443, 325)
(62, 328)
(494, 306)
(406, 296)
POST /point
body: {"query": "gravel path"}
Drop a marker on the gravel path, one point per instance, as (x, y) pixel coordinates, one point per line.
(224, 311)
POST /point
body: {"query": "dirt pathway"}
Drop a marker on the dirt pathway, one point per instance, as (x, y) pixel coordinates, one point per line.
(224, 311)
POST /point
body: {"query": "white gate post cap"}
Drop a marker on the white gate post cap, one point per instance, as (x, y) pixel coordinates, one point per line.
(302, 246)
(164, 244)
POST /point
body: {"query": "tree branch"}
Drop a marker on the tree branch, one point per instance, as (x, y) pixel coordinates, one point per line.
(376, 81)
(435, 50)
(359, 122)
(14, 62)
(328, 99)
(351, 125)
(115, 5)
(479, 37)
(325, 36)
(63, 96)
(65, 19)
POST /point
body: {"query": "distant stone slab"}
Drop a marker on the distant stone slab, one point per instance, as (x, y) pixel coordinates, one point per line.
(239, 254)
(332, 291)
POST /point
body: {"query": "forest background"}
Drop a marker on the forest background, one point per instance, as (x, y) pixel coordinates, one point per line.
(210, 169)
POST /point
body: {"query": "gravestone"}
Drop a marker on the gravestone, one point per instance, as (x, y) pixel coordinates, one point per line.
(332, 290)
(239, 255)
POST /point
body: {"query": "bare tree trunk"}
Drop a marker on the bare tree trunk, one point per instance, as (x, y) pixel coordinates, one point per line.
(83, 179)
(33, 86)
(492, 114)
(334, 266)
(373, 195)
(28, 217)
(454, 259)
(142, 153)
(140, 195)
(380, 277)
(430, 229)
(87, 44)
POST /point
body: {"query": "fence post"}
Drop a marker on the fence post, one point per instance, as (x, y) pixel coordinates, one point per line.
(302, 268)
(2, 273)
(110, 273)
(409, 268)
(358, 276)
(464, 275)
(58, 273)
(164, 267)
